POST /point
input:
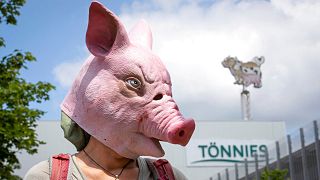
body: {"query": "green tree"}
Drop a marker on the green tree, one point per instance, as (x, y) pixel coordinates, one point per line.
(17, 118)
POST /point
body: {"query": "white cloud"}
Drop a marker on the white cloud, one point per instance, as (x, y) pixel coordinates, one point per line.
(192, 37)
(66, 72)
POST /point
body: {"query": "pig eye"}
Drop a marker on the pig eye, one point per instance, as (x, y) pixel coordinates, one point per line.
(133, 82)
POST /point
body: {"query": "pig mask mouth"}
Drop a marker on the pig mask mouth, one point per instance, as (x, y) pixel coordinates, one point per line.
(158, 145)
(123, 80)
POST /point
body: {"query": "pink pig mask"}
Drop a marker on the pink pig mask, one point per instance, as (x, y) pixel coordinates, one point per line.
(122, 95)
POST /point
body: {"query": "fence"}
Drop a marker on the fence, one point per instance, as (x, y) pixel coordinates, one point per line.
(299, 153)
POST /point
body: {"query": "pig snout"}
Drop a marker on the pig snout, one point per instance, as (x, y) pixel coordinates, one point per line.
(181, 131)
(163, 121)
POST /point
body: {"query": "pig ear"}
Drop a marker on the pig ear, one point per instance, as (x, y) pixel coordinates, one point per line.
(141, 34)
(105, 32)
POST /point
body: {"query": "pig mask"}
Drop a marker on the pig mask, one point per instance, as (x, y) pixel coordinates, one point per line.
(122, 95)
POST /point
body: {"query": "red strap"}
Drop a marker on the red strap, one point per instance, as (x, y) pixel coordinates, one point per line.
(164, 169)
(60, 166)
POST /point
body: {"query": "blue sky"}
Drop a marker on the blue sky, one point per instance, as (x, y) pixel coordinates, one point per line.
(54, 31)
(192, 37)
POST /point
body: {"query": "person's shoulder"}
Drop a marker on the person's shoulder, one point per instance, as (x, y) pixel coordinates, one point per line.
(39, 171)
(178, 174)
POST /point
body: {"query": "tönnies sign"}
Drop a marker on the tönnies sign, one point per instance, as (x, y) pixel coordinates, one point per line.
(225, 152)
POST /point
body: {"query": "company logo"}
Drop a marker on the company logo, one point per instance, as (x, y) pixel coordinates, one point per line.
(225, 152)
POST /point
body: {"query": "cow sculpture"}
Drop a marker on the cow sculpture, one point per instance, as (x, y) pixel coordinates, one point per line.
(245, 73)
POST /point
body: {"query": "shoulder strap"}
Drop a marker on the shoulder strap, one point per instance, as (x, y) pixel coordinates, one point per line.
(164, 169)
(59, 166)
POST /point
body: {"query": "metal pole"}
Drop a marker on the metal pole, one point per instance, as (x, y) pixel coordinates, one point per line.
(257, 166)
(267, 159)
(292, 177)
(304, 157)
(246, 168)
(236, 171)
(245, 104)
(316, 137)
(278, 155)
(227, 174)
(267, 163)
(219, 176)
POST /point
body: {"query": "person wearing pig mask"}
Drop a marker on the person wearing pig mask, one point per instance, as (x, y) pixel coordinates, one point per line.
(118, 109)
